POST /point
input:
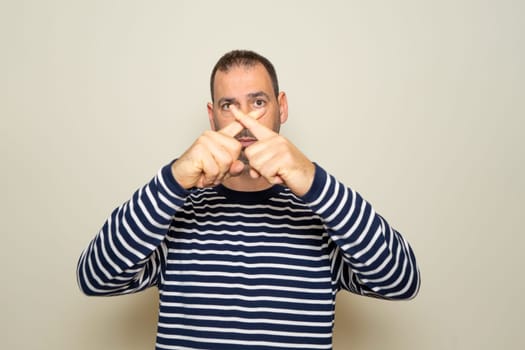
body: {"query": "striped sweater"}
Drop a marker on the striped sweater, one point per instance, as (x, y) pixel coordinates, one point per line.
(247, 270)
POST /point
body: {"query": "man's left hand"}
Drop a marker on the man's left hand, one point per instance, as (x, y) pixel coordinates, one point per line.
(275, 158)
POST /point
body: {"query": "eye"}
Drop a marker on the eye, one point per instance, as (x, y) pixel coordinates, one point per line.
(259, 103)
(225, 106)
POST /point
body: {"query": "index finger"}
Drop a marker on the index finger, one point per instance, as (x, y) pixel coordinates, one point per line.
(235, 127)
(260, 131)
(232, 129)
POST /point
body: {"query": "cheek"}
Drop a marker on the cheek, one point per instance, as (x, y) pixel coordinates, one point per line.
(222, 120)
(213, 123)
(271, 121)
(277, 125)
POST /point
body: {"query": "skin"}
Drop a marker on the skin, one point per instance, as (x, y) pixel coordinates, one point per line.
(244, 150)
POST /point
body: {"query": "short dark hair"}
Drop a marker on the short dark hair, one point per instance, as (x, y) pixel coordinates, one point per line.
(246, 58)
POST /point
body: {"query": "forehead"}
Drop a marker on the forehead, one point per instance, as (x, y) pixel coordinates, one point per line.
(242, 80)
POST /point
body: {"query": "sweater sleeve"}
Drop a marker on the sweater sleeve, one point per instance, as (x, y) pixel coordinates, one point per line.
(369, 257)
(128, 252)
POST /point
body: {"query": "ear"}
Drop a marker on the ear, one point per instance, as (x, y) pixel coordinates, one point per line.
(211, 117)
(283, 107)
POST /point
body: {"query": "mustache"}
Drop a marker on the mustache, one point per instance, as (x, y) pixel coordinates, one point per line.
(245, 133)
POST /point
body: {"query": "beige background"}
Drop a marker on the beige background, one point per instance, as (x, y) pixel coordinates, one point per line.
(419, 105)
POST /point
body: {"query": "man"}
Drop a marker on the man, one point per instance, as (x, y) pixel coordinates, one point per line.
(247, 240)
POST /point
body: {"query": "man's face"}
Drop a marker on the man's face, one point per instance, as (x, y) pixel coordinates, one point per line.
(250, 89)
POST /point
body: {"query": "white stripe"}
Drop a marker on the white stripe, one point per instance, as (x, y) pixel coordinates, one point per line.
(261, 332)
(246, 224)
(206, 214)
(248, 298)
(249, 287)
(254, 207)
(112, 236)
(248, 309)
(249, 255)
(253, 244)
(220, 318)
(357, 266)
(240, 342)
(177, 347)
(155, 204)
(370, 244)
(292, 204)
(400, 278)
(248, 265)
(125, 243)
(332, 198)
(142, 206)
(323, 193)
(382, 266)
(354, 227)
(166, 187)
(249, 276)
(92, 272)
(348, 215)
(99, 263)
(340, 207)
(90, 286)
(246, 234)
(141, 228)
(150, 220)
(404, 290)
(374, 257)
(397, 281)
(105, 254)
(167, 202)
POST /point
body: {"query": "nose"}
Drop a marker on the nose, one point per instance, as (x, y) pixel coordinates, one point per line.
(245, 108)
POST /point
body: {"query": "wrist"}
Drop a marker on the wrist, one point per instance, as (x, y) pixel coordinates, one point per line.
(316, 185)
(171, 182)
(178, 177)
(307, 177)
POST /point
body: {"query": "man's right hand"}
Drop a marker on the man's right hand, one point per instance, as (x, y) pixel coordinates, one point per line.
(212, 158)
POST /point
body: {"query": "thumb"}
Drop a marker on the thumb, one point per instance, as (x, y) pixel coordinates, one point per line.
(236, 168)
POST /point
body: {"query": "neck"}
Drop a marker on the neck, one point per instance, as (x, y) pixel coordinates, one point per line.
(245, 183)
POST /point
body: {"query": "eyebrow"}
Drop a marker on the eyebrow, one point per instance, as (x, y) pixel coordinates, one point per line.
(225, 100)
(251, 95)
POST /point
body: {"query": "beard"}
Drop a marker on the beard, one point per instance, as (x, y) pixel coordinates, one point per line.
(244, 135)
(242, 157)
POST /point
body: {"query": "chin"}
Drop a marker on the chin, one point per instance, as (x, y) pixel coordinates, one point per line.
(242, 158)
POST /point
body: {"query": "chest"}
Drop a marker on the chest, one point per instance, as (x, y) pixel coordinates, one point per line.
(250, 253)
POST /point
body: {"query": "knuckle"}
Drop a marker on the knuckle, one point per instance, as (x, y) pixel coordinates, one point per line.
(236, 147)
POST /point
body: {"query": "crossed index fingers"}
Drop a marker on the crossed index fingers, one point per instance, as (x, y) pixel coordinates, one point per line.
(237, 126)
(232, 129)
(260, 131)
